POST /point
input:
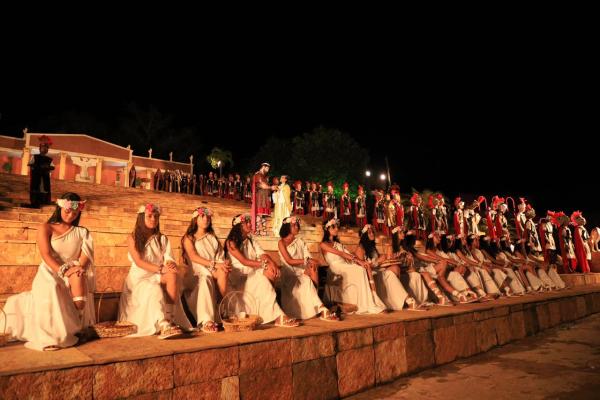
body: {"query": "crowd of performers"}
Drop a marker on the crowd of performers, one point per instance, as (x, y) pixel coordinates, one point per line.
(231, 186)
(463, 266)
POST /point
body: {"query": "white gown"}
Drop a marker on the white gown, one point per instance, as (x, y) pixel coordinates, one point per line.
(282, 207)
(47, 316)
(252, 281)
(143, 301)
(299, 297)
(201, 288)
(355, 283)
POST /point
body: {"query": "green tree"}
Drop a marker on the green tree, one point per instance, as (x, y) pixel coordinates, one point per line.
(218, 158)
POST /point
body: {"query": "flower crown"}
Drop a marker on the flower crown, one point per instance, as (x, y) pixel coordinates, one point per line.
(71, 204)
(365, 228)
(152, 208)
(202, 211)
(291, 220)
(240, 218)
(331, 222)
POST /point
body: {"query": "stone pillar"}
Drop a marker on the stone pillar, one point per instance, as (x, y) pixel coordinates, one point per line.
(128, 168)
(191, 166)
(63, 166)
(25, 160)
(99, 170)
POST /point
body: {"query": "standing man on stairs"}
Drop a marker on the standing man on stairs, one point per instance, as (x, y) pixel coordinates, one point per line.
(41, 167)
(261, 200)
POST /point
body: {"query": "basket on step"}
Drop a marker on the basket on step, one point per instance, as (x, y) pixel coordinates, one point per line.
(3, 335)
(236, 319)
(111, 329)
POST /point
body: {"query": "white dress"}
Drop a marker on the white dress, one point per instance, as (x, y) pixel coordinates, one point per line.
(47, 316)
(252, 281)
(143, 301)
(299, 297)
(201, 290)
(355, 283)
(282, 207)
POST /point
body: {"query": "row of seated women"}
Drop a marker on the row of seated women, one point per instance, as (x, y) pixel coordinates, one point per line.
(59, 307)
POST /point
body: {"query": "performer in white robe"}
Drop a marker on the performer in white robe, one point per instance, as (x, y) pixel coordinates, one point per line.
(253, 271)
(358, 288)
(299, 297)
(151, 293)
(387, 279)
(208, 272)
(61, 301)
(282, 203)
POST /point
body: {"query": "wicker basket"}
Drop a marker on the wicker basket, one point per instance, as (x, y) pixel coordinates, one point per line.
(3, 335)
(111, 329)
(233, 323)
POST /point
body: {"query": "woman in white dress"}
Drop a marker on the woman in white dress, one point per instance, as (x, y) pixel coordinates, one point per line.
(254, 272)
(460, 290)
(61, 301)
(207, 270)
(282, 203)
(501, 279)
(387, 280)
(151, 293)
(432, 270)
(299, 275)
(357, 279)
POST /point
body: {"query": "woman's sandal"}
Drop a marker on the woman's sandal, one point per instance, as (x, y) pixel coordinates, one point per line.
(51, 348)
(209, 327)
(169, 330)
(413, 306)
(464, 298)
(328, 316)
(285, 322)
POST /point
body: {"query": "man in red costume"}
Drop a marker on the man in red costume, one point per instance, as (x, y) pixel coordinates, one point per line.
(459, 218)
(298, 198)
(582, 237)
(360, 208)
(345, 206)
(261, 199)
(565, 239)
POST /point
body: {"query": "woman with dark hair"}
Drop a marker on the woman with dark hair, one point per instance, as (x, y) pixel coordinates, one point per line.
(492, 253)
(354, 272)
(440, 248)
(151, 293)
(432, 269)
(478, 277)
(387, 279)
(299, 297)
(203, 254)
(526, 267)
(500, 279)
(254, 271)
(61, 301)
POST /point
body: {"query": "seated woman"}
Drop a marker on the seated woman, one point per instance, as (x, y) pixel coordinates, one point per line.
(151, 293)
(387, 279)
(299, 296)
(61, 301)
(254, 271)
(502, 281)
(431, 269)
(527, 268)
(435, 247)
(203, 253)
(492, 253)
(477, 275)
(354, 272)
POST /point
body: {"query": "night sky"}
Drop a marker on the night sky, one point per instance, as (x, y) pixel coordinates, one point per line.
(460, 126)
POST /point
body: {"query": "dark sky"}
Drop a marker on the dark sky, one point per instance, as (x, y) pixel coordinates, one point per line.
(491, 125)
